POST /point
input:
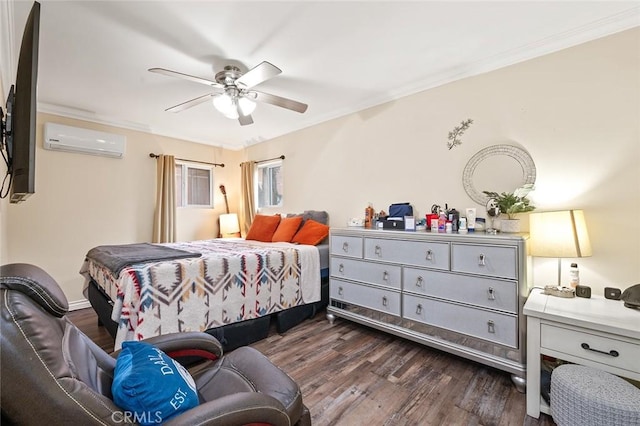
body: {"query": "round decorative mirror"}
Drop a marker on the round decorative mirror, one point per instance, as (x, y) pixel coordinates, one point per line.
(499, 168)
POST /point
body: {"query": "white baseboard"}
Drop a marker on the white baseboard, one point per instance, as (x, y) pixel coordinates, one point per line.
(79, 304)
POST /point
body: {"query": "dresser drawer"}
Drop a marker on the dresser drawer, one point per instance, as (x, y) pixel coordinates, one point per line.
(346, 246)
(416, 253)
(373, 273)
(574, 341)
(481, 259)
(493, 326)
(485, 292)
(382, 300)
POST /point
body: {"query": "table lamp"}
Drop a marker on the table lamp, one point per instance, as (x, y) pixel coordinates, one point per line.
(559, 234)
(229, 225)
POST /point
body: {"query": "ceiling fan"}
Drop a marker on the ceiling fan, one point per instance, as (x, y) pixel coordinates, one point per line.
(233, 93)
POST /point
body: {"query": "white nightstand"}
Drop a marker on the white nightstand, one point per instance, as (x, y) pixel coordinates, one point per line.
(596, 332)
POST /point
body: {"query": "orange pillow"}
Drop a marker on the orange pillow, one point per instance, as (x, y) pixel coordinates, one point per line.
(311, 233)
(263, 227)
(287, 229)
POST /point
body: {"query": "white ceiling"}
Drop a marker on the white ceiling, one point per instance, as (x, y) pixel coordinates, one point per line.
(339, 57)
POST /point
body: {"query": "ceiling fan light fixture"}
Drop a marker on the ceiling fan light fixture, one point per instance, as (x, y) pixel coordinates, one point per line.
(247, 106)
(223, 103)
(232, 113)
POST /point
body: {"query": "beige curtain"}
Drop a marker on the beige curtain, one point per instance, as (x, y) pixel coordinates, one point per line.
(247, 203)
(164, 218)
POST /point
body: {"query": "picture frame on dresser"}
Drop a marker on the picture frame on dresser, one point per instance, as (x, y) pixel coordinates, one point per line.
(461, 293)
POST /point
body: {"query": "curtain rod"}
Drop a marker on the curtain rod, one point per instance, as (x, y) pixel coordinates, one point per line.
(269, 159)
(152, 155)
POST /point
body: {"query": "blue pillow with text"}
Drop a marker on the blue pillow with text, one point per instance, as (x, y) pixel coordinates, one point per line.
(150, 385)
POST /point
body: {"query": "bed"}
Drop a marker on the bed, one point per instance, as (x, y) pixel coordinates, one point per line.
(230, 288)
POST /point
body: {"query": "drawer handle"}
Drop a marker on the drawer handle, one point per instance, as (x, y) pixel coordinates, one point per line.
(339, 291)
(385, 276)
(419, 309)
(341, 268)
(481, 260)
(378, 251)
(491, 327)
(419, 282)
(491, 294)
(429, 254)
(345, 246)
(612, 352)
(385, 302)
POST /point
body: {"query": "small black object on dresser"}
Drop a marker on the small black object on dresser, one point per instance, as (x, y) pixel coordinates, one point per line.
(583, 291)
(612, 293)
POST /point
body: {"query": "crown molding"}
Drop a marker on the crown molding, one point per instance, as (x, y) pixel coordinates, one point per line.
(85, 115)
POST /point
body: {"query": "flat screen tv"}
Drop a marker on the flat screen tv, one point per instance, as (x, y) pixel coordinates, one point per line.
(20, 124)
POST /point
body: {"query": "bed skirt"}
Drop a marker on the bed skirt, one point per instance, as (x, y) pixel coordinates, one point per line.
(231, 336)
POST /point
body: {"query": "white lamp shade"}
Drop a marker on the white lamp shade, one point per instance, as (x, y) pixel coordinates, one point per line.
(232, 113)
(223, 103)
(559, 234)
(247, 106)
(229, 225)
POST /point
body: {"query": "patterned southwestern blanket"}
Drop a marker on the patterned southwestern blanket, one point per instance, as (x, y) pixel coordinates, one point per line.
(234, 280)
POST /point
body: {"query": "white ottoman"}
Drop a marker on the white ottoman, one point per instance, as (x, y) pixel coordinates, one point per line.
(585, 396)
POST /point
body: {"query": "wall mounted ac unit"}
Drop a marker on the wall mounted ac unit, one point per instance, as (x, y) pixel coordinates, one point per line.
(58, 137)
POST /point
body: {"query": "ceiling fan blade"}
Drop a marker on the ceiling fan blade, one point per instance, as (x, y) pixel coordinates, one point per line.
(280, 101)
(245, 120)
(256, 75)
(185, 76)
(188, 104)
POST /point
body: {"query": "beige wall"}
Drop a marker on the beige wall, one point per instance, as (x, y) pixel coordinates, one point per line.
(82, 201)
(577, 112)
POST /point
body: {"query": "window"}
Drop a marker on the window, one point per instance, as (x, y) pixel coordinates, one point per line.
(194, 185)
(269, 184)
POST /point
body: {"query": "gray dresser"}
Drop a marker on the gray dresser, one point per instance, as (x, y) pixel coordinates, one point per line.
(463, 294)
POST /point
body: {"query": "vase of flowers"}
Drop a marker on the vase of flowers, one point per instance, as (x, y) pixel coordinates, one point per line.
(511, 204)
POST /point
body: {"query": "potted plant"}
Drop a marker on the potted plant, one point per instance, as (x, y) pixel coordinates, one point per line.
(512, 203)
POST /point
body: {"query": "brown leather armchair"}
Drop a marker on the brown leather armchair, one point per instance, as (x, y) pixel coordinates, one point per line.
(51, 372)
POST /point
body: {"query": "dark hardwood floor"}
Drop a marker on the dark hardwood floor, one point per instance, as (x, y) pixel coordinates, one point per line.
(353, 375)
